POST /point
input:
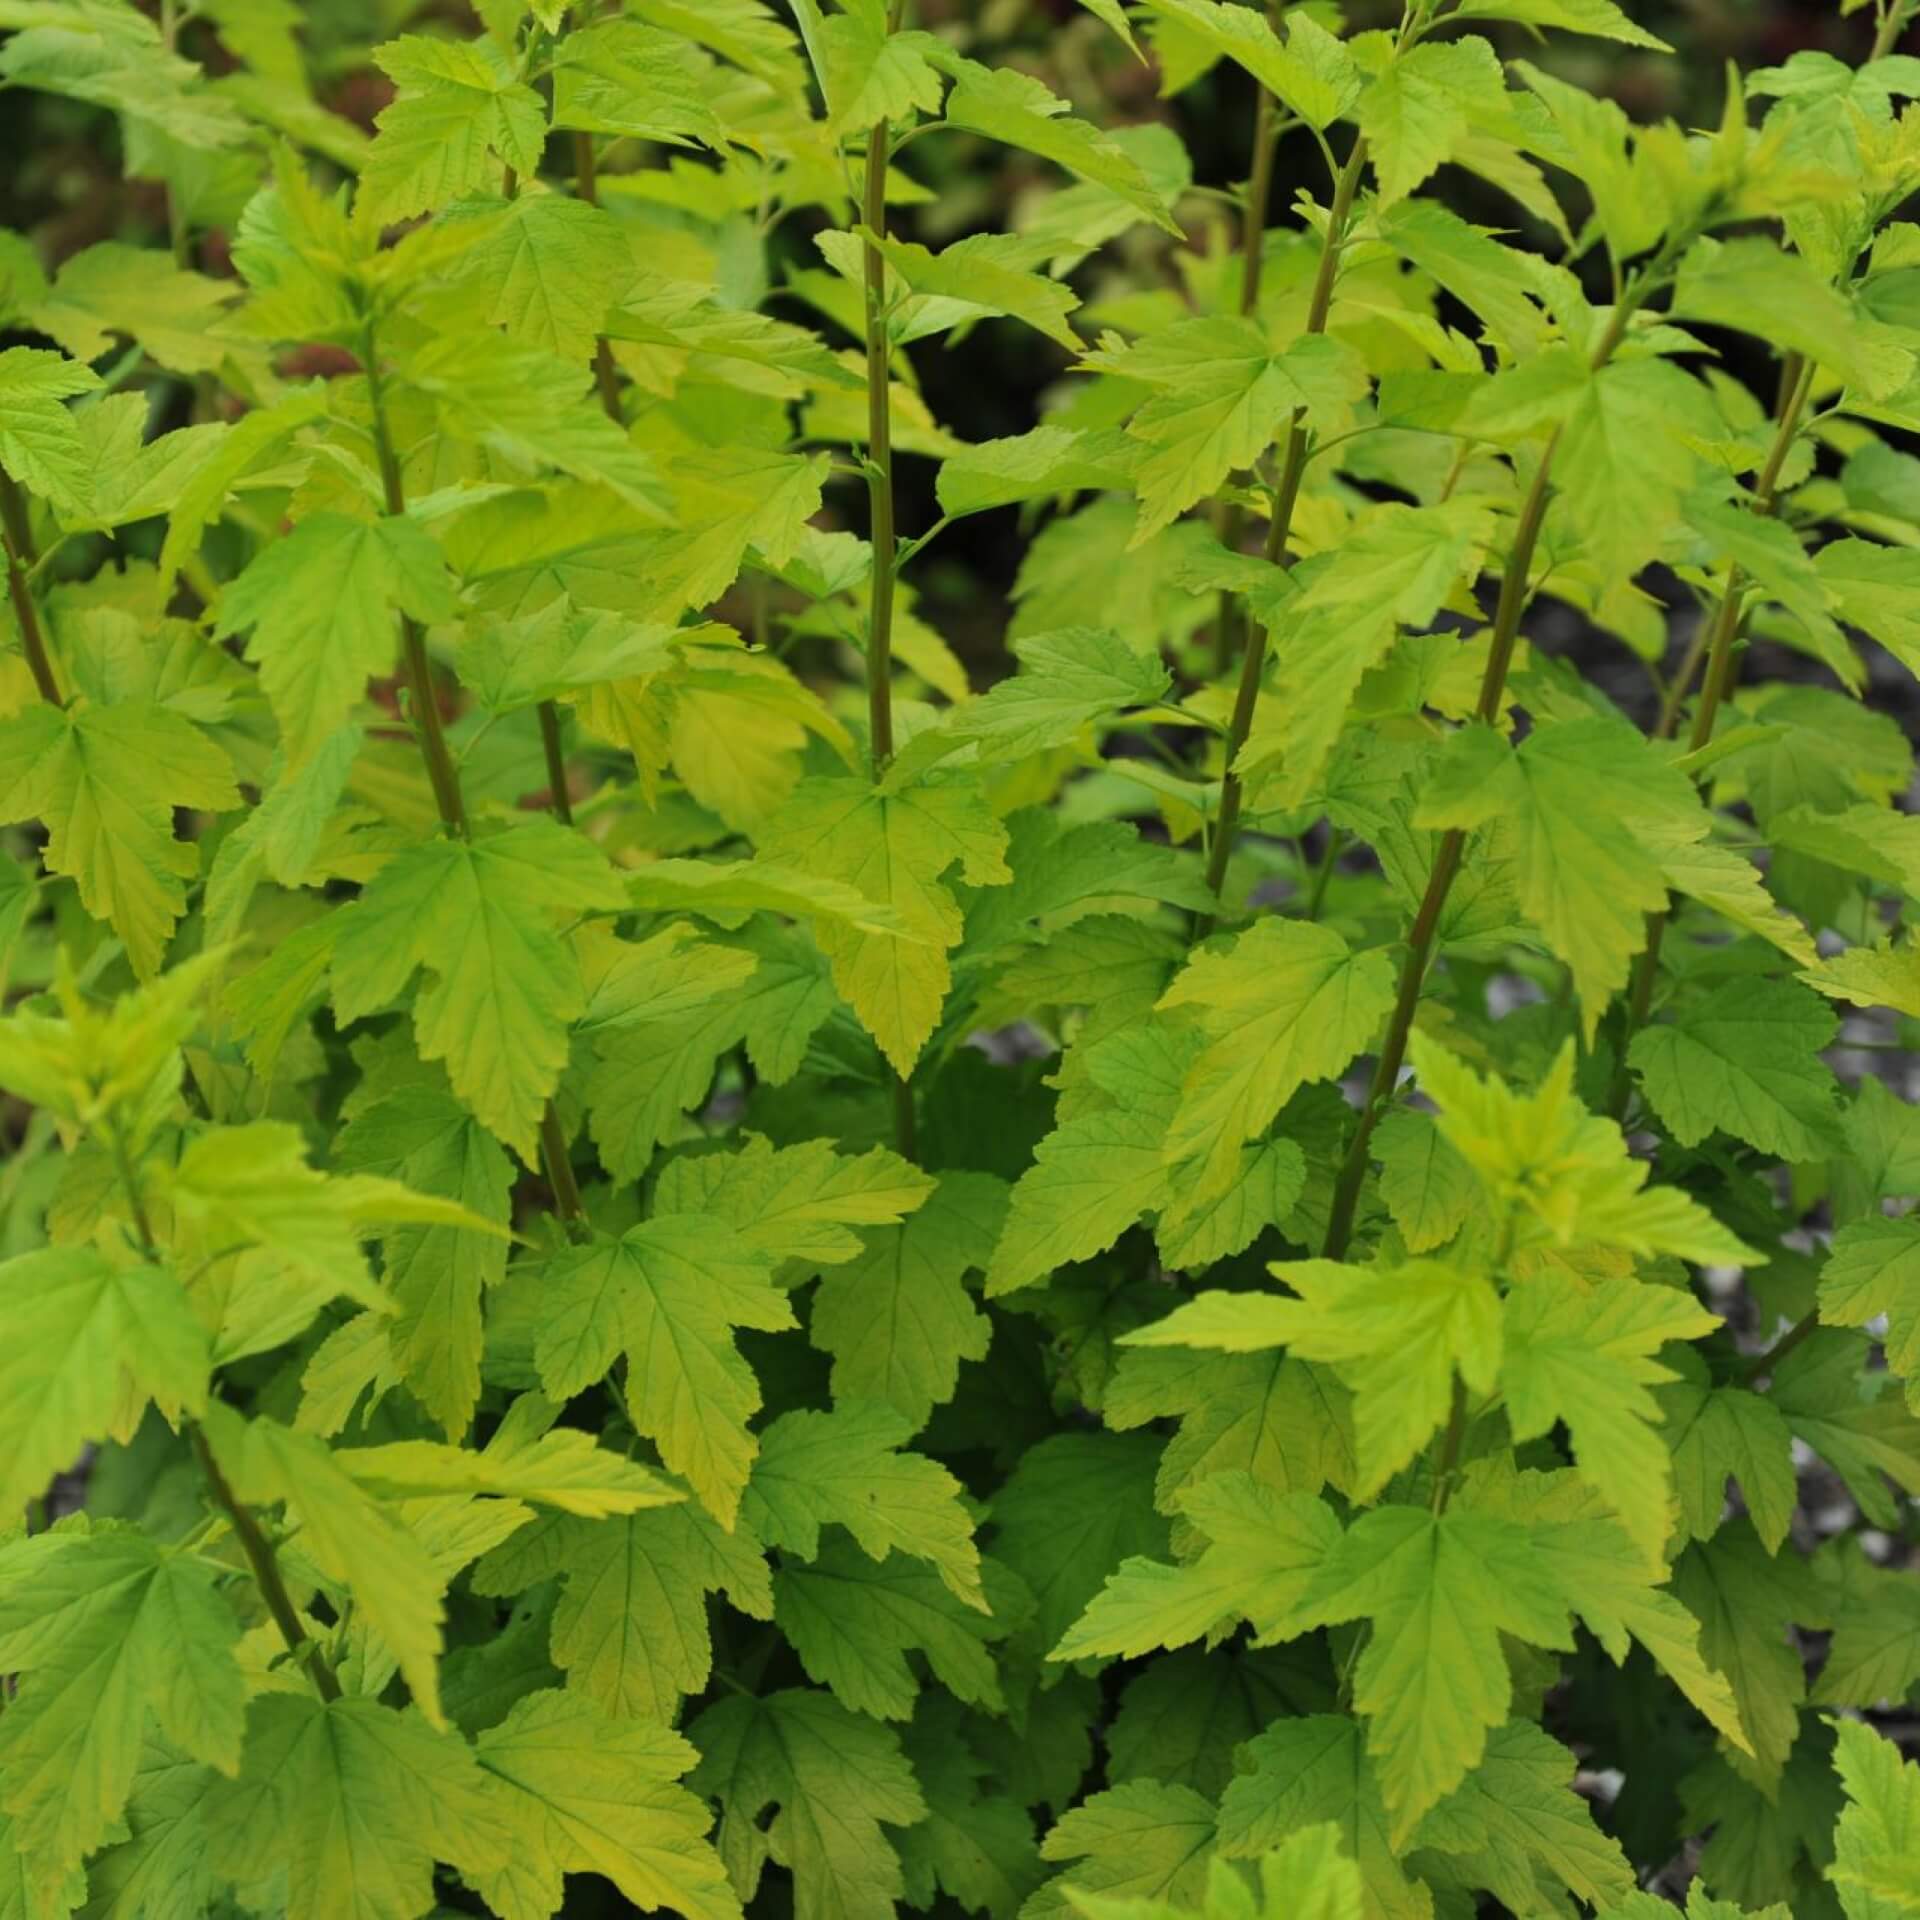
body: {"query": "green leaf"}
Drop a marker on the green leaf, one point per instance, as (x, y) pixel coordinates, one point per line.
(1428, 1188)
(105, 781)
(1603, 1578)
(112, 58)
(535, 409)
(1473, 266)
(424, 1139)
(1287, 1004)
(1440, 1590)
(250, 1187)
(578, 1792)
(346, 1805)
(40, 443)
(976, 1843)
(895, 848)
(898, 1319)
(525, 1458)
(1262, 1551)
(832, 1778)
(1599, 17)
(622, 78)
(806, 1204)
(85, 1343)
(1301, 1772)
(987, 272)
(320, 601)
(1871, 977)
(631, 1625)
(1722, 1433)
(1873, 1268)
(1621, 466)
(1872, 586)
(871, 75)
(1220, 391)
(546, 268)
(1747, 1061)
(667, 1295)
(1316, 83)
(1013, 107)
(1068, 681)
(1029, 466)
(845, 1468)
(458, 113)
(1874, 1654)
(1145, 1841)
(1746, 1601)
(1074, 1507)
(1091, 1178)
(1853, 1418)
(1518, 1818)
(1395, 1336)
(1396, 568)
(1583, 1355)
(347, 1536)
(111, 1632)
(1562, 1176)
(1286, 1422)
(1874, 1845)
(478, 916)
(111, 289)
(1588, 877)
(1423, 104)
(852, 1621)
(1783, 298)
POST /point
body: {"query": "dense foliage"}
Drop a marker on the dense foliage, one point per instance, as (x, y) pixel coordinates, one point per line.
(672, 1246)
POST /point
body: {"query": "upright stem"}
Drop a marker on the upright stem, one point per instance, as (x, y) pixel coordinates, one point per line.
(16, 533)
(879, 460)
(1515, 586)
(1720, 636)
(428, 729)
(1253, 232)
(880, 508)
(586, 183)
(444, 775)
(246, 1529)
(1253, 216)
(559, 801)
(1279, 529)
(266, 1572)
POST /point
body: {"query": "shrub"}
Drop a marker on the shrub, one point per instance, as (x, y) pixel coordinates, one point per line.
(676, 1248)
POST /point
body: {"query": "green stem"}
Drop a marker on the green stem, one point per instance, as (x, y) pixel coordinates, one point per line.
(1718, 647)
(1448, 1456)
(253, 1543)
(428, 729)
(1446, 865)
(1515, 588)
(879, 461)
(16, 533)
(1253, 229)
(586, 183)
(559, 800)
(881, 529)
(1764, 1363)
(1279, 529)
(444, 775)
(1329, 859)
(265, 1569)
